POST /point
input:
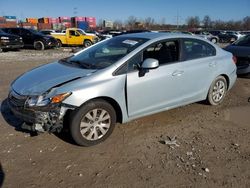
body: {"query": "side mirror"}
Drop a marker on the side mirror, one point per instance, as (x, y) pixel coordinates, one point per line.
(148, 64)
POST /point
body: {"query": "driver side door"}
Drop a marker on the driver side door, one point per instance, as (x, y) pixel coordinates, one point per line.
(74, 38)
(159, 88)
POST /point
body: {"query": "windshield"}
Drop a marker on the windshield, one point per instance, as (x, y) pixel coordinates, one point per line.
(81, 32)
(1, 31)
(106, 53)
(35, 31)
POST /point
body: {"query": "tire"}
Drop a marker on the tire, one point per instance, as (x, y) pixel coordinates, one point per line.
(217, 91)
(92, 123)
(87, 43)
(214, 40)
(59, 44)
(38, 45)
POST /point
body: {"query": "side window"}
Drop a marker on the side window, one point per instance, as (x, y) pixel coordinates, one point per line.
(165, 52)
(194, 49)
(72, 33)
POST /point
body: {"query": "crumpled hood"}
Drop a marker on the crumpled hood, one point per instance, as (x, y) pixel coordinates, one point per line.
(43, 78)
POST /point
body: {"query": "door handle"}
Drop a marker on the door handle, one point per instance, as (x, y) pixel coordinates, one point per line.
(212, 64)
(177, 73)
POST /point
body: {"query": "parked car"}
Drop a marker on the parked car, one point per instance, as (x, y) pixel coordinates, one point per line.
(48, 31)
(120, 79)
(75, 37)
(236, 33)
(8, 41)
(33, 38)
(110, 33)
(215, 32)
(225, 37)
(214, 39)
(241, 50)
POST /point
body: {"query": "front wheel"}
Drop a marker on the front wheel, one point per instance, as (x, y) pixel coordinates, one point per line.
(58, 44)
(214, 40)
(92, 123)
(217, 91)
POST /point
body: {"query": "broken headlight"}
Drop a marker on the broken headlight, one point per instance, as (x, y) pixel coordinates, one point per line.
(43, 100)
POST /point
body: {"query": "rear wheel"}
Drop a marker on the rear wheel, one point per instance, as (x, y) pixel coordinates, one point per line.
(92, 123)
(217, 91)
(87, 43)
(38, 45)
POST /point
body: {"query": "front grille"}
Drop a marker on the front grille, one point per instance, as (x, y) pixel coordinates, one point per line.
(17, 100)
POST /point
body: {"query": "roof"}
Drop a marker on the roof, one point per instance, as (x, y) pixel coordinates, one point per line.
(155, 35)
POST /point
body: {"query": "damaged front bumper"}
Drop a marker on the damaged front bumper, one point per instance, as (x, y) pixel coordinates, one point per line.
(41, 119)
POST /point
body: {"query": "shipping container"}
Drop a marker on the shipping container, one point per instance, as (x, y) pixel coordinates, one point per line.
(10, 17)
(43, 20)
(82, 25)
(42, 26)
(75, 20)
(32, 20)
(57, 26)
(78, 19)
(11, 24)
(28, 25)
(66, 24)
(63, 19)
(91, 21)
(54, 20)
(2, 20)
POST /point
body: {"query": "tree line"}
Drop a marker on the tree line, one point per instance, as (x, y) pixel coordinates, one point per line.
(191, 23)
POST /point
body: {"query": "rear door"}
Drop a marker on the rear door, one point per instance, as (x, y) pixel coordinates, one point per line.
(199, 65)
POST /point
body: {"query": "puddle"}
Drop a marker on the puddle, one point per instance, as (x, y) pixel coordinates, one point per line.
(238, 115)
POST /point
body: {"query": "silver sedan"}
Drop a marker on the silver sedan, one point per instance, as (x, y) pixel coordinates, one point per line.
(121, 79)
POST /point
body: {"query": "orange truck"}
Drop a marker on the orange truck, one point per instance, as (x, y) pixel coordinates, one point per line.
(75, 37)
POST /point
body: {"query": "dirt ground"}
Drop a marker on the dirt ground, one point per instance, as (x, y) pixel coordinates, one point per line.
(193, 146)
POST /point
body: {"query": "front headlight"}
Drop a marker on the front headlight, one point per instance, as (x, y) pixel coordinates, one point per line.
(43, 100)
(5, 38)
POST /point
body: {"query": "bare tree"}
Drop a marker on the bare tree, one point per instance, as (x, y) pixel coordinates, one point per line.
(131, 22)
(246, 23)
(207, 22)
(193, 22)
(149, 22)
(118, 24)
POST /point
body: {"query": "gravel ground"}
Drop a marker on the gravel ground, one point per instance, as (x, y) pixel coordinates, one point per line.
(193, 146)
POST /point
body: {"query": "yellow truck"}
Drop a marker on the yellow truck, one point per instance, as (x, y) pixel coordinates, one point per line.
(74, 37)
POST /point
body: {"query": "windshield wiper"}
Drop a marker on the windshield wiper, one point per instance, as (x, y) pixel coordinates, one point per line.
(82, 64)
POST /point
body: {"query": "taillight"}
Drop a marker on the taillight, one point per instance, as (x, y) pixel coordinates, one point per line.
(234, 59)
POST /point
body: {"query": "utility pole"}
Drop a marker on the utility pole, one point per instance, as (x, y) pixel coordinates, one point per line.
(178, 18)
